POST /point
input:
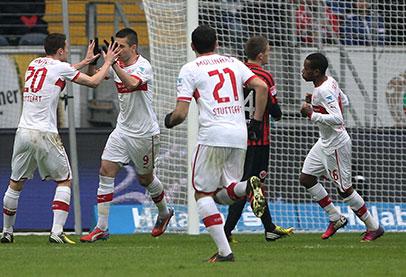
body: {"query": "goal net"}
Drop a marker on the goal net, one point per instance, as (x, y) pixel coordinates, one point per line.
(366, 48)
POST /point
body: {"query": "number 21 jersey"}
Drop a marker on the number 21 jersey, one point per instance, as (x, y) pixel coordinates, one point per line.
(216, 82)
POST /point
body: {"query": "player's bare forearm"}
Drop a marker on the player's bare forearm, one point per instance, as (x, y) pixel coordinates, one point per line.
(91, 70)
(261, 99)
(178, 115)
(129, 81)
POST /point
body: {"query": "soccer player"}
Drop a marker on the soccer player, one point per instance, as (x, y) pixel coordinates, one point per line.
(257, 157)
(331, 155)
(135, 138)
(216, 82)
(37, 143)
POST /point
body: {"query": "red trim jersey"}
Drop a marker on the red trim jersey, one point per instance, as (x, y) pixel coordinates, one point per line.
(216, 82)
(44, 80)
(327, 102)
(136, 117)
(249, 95)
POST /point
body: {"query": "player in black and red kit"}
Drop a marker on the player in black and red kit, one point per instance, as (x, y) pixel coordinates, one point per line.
(257, 156)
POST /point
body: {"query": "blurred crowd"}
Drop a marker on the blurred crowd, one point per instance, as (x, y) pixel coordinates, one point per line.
(347, 22)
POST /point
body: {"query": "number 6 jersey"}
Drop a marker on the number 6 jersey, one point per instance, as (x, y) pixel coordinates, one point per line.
(216, 82)
(44, 80)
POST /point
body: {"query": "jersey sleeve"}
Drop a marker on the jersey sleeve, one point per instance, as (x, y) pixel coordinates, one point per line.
(67, 71)
(185, 84)
(344, 98)
(142, 72)
(329, 111)
(246, 73)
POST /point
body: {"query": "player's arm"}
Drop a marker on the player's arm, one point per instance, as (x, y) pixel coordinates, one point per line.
(274, 108)
(261, 96)
(109, 58)
(129, 81)
(178, 115)
(333, 116)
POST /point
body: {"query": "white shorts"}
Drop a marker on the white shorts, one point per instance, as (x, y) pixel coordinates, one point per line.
(32, 149)
(337, 165)
(122, 149)
(214, 168)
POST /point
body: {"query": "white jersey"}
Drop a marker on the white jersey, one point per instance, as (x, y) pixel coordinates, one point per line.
(44, 80)
(327, 101)
(216, 82)
(137, 117)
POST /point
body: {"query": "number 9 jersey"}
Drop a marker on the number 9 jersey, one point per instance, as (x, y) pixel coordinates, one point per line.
(44, 80)
(216, 82)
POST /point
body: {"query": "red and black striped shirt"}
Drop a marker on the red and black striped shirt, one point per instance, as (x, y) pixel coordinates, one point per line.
(249, 95)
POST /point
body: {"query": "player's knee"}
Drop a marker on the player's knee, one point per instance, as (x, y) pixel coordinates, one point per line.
(346, 193)
(16, 185)
(307, 181)
(146, 179)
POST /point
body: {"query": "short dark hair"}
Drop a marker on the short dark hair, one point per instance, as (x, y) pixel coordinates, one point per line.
(318, 61)
(254, 46)
(130, 34)
(204, 39)
(53, 42)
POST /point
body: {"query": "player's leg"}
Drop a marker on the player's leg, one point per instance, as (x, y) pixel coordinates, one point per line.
(105, 191)
(235, 209)
(60, 208)
(23, 165)
(53, 164)
(233, 190)
(314, 166)
(10, 204)
(342, 178)
(206, 180)
(259, 160)
(115, 154)
(144, 152)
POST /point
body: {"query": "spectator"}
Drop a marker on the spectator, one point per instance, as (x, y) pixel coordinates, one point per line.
(310, 22)
(21, 17)
(363, 26)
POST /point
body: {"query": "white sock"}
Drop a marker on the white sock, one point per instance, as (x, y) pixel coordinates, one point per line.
(10, 203)
(232, 193)
(211, 217)
(104, 198)
(357, 204)
(60, 207)
(319, 193)
(156, 190)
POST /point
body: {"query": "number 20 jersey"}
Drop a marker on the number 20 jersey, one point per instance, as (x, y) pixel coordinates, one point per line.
(216, 82)
(44, 80)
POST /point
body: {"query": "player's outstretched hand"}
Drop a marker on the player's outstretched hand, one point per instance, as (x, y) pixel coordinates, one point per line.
(306, 110)
(93, 52)
(112, 52)
(254, 130)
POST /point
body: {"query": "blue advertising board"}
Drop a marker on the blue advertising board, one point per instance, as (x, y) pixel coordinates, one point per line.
(128, 219)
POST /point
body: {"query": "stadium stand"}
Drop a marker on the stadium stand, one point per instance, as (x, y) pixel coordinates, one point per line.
(105, 19)
(21, 17)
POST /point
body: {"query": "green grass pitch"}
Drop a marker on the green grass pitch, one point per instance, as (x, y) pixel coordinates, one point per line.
(183, 255)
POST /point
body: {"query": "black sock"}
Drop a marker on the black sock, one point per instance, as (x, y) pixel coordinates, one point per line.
(234, 214)
(266, 219)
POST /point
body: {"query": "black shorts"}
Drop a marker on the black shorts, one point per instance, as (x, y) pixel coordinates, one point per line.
(256, 162)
